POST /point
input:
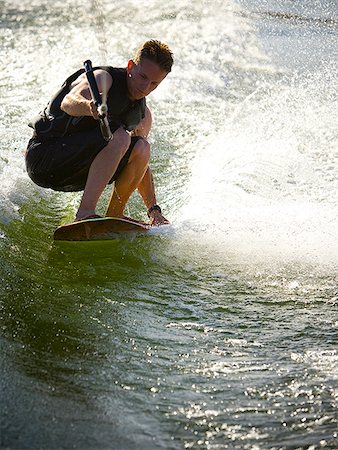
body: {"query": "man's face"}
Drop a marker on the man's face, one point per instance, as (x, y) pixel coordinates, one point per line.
(143, 78)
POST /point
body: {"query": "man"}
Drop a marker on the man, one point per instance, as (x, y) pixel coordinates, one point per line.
(68, 152)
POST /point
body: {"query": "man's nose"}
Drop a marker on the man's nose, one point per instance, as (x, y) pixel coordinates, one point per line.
(146, 85)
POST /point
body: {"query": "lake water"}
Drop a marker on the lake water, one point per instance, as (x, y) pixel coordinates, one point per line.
(219, 332)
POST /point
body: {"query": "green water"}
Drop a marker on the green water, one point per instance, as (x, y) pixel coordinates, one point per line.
(149, 343)
(218, 332)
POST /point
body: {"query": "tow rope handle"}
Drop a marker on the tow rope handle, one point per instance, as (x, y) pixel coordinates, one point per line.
(101, 107)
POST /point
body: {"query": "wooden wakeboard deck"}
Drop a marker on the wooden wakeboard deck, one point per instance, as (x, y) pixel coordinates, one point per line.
(99, 229)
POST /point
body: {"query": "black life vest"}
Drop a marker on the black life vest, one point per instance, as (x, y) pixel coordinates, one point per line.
(53, 122)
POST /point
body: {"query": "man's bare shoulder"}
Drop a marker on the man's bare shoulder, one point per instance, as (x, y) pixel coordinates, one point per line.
(103, 79)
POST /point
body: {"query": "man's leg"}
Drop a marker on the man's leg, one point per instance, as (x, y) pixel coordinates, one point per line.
(129, 179)
(101, 171)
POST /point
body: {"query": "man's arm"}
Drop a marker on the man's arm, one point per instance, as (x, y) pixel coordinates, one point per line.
(146, 189)
(146, 186)
(143, 128)
(78, 102)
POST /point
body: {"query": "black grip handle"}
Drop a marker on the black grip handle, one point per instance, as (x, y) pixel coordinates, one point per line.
(94, 90)
(96, 96)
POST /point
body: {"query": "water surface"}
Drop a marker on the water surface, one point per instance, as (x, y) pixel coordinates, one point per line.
(219, 332)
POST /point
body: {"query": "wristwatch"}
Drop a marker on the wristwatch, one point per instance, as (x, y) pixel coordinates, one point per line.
(154, 208)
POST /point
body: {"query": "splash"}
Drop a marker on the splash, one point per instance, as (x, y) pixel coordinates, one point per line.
(265, 186)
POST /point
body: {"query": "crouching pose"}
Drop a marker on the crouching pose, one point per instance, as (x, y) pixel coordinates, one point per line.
(68, 151)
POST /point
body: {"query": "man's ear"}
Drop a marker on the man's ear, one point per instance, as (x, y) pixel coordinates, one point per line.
(130, 65)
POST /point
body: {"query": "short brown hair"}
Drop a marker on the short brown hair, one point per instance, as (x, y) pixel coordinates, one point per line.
(157, 52)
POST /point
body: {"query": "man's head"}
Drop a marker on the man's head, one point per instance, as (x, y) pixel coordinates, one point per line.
(156, 52)
(151, 64)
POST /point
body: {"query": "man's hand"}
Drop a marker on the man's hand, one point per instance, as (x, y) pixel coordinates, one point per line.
(78, 101)
(156, 219)
(94, 111)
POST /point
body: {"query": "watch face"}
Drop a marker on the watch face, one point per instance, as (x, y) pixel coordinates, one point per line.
(154, 208)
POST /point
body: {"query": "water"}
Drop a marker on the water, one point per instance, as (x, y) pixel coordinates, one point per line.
(219, 333)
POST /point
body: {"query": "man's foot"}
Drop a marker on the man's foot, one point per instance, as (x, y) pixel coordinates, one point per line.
(91, 216)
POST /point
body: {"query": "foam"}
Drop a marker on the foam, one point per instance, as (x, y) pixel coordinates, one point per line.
(265, 186)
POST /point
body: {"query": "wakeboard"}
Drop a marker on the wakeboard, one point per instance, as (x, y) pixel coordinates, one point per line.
(102, 228)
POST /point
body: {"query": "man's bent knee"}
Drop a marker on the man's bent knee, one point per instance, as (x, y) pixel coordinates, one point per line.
(122, 137)
(141, 150)
(120, 141)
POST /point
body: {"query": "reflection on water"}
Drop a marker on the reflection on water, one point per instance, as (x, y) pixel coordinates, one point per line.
(219, 332)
